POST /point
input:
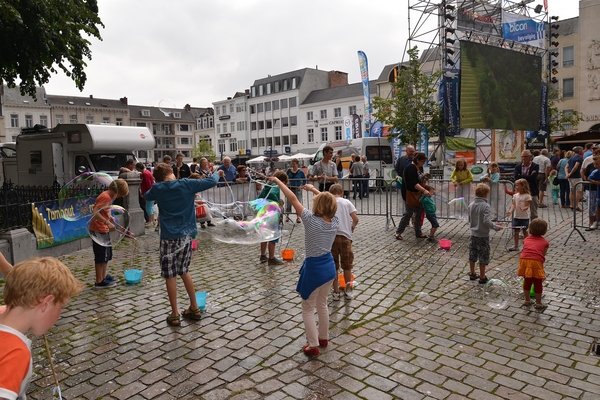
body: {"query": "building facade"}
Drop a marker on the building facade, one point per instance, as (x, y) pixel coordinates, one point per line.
(231, 127)
(22, 112)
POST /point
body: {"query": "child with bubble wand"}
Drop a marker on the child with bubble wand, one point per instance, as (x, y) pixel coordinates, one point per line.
(531, 263)
(318, 269)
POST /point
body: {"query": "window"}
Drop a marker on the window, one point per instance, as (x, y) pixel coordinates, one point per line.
(176, 115)
(294, 83)
(217, 108)
(261, 142)
(140, 124)
(184, 128)
(232, 127)
(286, 140)
(268, 88)
(233, 147)
(253, 126)
(186, 153)
(261, 90)
(337, 112)
(240, 107)
(269, 124)
(225, 127)
(277, 140)
(292, 102)
(252, 109)
(568, 88)
(231, 108)
(242, 144)
(218, 128)
(294, 120)
(268, 106)
(309, 116)
(277, 86)
(106, 120)
(145, 113)
(241, 126)
(224, 109)
(284, 103)
(184, 140)
(14, 120)
(89, 119)
(351, 110)
(269, 142)
(286, 84)
(29, 121)
(567, 126)
(118, 123)
(338, 132)
(275, 104)
(294, 139)
(73, 119)
(261, 125)
(323, 114)
(44, 120)
(253, 89)
(324, 134)
(259, 107)
(276, 123)
(568, 56)
(221, 143)
(254, 142)
(284, 122)
(311, 135)
(59, 119)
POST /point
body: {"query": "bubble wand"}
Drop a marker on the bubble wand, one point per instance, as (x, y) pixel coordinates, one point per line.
(57, 388)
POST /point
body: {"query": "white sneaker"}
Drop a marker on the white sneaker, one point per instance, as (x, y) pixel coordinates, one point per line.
(336, 296)
(348, 294)
(594, 225)
(514, 248)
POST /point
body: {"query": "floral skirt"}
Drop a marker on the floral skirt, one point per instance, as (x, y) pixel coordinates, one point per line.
(529, 268)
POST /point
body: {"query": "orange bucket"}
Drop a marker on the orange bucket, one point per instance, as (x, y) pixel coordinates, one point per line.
(287, 254)
(341, 280)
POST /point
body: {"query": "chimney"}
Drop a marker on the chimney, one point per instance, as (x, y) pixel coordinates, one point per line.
(338, 78)
(91, 96)
(187, 107)
(247, 91)
(124, 100)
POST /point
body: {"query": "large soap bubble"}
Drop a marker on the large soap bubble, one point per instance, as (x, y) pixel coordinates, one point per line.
(166, 106)
(264, 226)
(496, 294)
(118, 216)
(76, 198)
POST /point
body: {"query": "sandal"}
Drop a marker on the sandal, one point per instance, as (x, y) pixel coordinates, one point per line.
(298, 220)
(473, 277)
(398, 236)
(421, 236)
(174, 320)
(192, 314)
(526, 304)
(540, 306)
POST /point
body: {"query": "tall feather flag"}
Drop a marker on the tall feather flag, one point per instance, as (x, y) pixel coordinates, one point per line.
(364, 76)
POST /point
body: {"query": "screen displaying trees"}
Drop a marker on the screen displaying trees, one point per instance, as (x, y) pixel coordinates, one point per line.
(500, 89)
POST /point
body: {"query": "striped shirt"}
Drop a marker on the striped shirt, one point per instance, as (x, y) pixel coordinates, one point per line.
(318, 234)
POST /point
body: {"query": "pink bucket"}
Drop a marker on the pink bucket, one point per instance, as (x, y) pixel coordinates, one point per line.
(194, 244)
(445, 244)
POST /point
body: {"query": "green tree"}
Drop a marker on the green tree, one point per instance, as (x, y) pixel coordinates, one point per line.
(37, 37)
(411, 102)
(204, 149)
(558, 118)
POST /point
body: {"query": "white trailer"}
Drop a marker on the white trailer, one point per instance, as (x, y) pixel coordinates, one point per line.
(71, 149)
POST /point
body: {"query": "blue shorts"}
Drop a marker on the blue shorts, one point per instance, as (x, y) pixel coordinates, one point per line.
(432, 220)
(150, 207)
(517, 222)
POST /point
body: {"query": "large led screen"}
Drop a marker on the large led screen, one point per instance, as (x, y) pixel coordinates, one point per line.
(499, 88)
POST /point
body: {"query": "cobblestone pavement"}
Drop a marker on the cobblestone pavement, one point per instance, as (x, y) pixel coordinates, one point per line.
(390, 341)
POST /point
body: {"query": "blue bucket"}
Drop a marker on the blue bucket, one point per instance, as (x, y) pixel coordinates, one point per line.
(133, 276)
(201, 299)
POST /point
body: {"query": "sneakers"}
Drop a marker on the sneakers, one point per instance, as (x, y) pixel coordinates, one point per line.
(542, 206)
(275, 261)
(105, 284)
(263, 258)
(210, 224)
(111, 278)
(202, 225)
(514, 248)
(593, 226)
(348, 294)
(336, 296)
(157, 227)
(483, 281)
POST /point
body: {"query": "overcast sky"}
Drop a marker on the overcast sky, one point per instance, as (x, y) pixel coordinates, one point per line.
(198, 52)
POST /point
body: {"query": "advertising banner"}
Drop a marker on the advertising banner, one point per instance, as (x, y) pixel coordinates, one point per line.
(522, 29)
(50, 226)
(364, 76)
(449, 97)
(423, 144)
(507, 145)
(356, 127)
(479, 16)
(347, 127)
(376, 129)
(543, 131)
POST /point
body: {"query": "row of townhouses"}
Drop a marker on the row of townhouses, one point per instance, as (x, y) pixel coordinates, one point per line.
(293, 111)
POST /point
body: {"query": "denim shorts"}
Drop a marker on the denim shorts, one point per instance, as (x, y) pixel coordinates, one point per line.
(518, 222)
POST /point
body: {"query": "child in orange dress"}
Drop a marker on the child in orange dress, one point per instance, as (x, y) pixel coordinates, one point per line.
(531, 266)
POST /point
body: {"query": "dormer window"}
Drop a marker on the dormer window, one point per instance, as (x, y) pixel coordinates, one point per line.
(176, 115)
(145, 113)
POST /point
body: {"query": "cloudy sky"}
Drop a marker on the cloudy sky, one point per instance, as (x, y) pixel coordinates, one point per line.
(198, 52)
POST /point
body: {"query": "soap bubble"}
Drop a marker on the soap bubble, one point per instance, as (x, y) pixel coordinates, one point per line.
(166, 106)
(496, 294)
(76, 198)
(422, 300)
(185, 242)
(458, 200)
(262, 228)
(118, 216)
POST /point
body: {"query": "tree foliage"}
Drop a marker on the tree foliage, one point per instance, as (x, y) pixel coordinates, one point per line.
(558, 118)
(204, 149)
(39, 36)
(412, 103)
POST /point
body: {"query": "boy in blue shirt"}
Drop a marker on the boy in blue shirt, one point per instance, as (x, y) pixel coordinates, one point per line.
(175, 200)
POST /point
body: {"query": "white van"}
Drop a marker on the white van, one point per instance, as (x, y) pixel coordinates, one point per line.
(379, 152)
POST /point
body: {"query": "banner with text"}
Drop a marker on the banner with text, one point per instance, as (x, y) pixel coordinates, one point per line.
(522, 29)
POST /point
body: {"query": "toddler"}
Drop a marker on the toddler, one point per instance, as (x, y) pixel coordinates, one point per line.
(531, 264)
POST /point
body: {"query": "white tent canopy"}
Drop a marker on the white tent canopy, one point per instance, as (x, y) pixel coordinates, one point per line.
(302, 156)
(256, 160)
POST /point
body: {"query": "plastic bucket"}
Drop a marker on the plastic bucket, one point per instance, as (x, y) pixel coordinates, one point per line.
(287, 254)
(342, 281)
(201, 299)
(133, 276)
(194, 244)
(445, 244)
